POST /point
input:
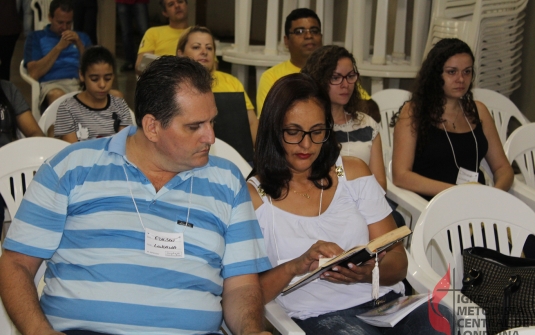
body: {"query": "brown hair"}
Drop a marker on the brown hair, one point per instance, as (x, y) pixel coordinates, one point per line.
(184, 37)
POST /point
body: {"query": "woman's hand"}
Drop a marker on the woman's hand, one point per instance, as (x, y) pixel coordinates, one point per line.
(354, 274)
(310, 259)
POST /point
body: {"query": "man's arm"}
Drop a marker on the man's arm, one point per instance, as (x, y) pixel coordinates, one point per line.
(19, 294)
(38, 68)
(243, 305)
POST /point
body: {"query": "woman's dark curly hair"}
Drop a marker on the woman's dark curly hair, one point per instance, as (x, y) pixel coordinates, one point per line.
(270, 163)
(321, 65)
(428, 99)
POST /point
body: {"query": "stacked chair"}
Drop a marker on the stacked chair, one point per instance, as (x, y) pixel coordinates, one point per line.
(520, 148)
(493, 29)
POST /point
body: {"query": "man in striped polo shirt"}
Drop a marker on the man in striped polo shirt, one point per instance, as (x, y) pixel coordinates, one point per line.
(142, 232)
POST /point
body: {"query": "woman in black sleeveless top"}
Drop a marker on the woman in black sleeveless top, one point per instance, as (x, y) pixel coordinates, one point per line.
(442, 134)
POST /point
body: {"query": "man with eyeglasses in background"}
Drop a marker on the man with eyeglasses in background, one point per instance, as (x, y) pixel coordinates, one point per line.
(302, 36)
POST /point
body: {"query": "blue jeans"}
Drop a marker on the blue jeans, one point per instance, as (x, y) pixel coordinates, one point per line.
(141, 14)
(345, 322)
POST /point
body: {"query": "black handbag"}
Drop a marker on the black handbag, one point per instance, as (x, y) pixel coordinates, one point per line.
(503, 286)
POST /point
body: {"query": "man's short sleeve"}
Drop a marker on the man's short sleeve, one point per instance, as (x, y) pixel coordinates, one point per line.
(38, 226)
(32, 49)
(148, 43)
(245, 252)
(15, 98)
(84, 38)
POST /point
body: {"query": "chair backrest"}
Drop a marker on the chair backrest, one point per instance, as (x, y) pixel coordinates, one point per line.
(49, 116)
(520, 147)
(501, 108)
(468, 216)
(222, 149)
(389, 102)
(232, 123)
(40, 13)
(23, 157)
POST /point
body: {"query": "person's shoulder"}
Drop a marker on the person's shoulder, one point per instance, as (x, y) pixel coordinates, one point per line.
(355, 168)
(152, 31)
(227, 78)
(367, 120)
(84, 37)
(277, 71)
(81, 152)
(223, 164)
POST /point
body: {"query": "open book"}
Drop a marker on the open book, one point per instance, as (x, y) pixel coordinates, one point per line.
(389, 314)
(355, 255)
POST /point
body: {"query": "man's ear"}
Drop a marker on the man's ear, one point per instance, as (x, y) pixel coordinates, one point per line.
(50, 17)
(286, 41)
(151, 127)
(80, 76)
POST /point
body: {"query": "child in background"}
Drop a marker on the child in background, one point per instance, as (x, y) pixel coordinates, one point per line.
(93, 112)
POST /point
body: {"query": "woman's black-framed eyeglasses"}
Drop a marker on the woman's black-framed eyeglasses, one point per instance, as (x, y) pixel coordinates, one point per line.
(296, 136)
(351, 78)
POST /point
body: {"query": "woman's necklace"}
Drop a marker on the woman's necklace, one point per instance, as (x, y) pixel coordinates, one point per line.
(303, 194)
(455, 120)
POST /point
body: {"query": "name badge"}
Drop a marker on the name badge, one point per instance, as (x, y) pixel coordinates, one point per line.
(466, 176)
(161, 244)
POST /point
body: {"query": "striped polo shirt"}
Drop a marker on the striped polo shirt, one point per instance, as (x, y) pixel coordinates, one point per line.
(78, 213)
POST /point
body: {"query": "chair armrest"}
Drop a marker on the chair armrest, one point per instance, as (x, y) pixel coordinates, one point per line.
(523, 192)
(281, 321)
(409, 200)
(36, 90)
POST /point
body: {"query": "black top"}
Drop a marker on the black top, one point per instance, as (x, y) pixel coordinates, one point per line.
(436, 161)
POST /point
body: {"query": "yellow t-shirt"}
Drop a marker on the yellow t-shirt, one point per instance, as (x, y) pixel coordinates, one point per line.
(224, 82)
(278, 71)
(161, 40)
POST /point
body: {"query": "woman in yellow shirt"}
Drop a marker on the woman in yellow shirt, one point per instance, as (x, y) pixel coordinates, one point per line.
(198, 44)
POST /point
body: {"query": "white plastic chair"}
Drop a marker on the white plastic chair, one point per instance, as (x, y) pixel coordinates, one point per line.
(49, 116)
(222, 149)
(273, 312)
(520, 148)
(21, 160)
(462, 217)
(40, 13)
(389, 102)
(501, 108)
(36, 90)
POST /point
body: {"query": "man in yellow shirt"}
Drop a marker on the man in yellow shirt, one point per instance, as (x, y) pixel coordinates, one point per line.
(163, 40)
(302, 36)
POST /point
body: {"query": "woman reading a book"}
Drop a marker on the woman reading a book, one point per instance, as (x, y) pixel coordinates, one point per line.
(313, 204)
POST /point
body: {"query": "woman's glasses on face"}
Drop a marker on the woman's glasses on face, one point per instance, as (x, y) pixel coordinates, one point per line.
(296, 136)
(351, 78)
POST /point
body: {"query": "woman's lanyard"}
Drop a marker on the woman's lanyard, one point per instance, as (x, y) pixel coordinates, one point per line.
(464, 175)
(163, 244)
